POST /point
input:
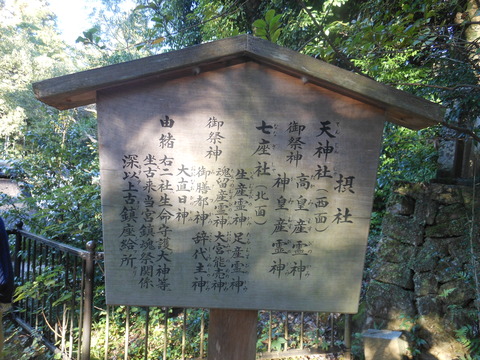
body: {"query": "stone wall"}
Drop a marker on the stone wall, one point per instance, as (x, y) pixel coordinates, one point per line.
(422, 277)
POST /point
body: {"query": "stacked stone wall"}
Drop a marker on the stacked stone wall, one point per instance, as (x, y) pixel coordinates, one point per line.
(422, 278)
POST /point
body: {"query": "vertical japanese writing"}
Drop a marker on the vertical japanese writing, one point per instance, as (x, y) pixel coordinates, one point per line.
(129, 214)
(282, 190)
(302, 198)
(295, 142)
(214, 138)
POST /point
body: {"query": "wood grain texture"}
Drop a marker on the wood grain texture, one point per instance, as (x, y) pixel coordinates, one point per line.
(232, 334)
(289, 208)
(79, 89)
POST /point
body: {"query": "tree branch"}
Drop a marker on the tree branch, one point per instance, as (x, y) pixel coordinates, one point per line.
(465, 23)
(340, 55)
(233, 9)
(449, 88)
(444, 123)
(347, 61)
(462, 130)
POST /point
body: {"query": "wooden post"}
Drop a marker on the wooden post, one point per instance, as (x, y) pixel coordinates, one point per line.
(88, 301)
(232, 334)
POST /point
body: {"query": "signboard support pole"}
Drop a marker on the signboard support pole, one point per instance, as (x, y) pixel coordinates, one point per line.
(232, 334)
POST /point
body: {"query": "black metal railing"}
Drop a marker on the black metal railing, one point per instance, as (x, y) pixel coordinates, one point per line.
(62, 301)
(56, 284)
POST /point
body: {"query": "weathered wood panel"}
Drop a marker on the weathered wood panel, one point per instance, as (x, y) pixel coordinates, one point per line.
(69, 91)
(232, 334)
(241, 188)
(80, 89)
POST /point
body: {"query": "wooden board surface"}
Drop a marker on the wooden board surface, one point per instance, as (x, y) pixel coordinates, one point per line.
(232, 334)
(81, 88)
(241, 188)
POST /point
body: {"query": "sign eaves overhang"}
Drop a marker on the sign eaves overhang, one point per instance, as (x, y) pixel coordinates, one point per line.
(79, 89)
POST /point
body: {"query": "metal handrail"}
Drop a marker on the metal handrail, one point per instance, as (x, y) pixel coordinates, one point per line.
(28, 263)
(54, 244)
(26, 270)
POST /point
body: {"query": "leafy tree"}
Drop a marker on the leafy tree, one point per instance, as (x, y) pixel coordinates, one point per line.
(174, 20)
(420, 47)
(59, 177)
(423, 47)
(30, 50)
(117, 36)
(52, 154)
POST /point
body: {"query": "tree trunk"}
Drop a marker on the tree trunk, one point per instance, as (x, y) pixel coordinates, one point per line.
(472, 35)
(467, 159)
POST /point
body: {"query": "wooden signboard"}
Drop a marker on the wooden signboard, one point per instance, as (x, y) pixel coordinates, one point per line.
(242, 187)
(236, 174)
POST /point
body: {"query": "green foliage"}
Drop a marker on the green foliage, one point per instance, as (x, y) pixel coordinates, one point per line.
(446, 292)
(413, 327)
(52, 155)
(59, 178)
(406, 155)
(173, 24)
(45, 287)
(116, 36)
(18, 346)
(158, 327)
(468, 357)
(30, 50)
(272, 332)
(90, 37)
(277, 342)
(274, 329)
(217, 20)
(270, 27)
(468, 336)
(357, 346)
(416, 46)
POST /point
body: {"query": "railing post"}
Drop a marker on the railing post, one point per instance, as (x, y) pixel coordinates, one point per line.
(18, 248)
(88, 301)
(348, 336)
(232, 334)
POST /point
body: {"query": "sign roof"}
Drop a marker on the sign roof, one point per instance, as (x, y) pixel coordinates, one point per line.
(80, 88)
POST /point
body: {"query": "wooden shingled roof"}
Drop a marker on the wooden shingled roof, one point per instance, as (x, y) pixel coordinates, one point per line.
(80, 88)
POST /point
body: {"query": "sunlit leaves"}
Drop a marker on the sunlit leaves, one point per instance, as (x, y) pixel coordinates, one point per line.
(91, 37)
(30, 50)
(268, 28)
(217, 19)
(12, 120)
(150, 5)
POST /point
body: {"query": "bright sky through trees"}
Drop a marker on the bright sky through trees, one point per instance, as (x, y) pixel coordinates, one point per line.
(74, 17)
